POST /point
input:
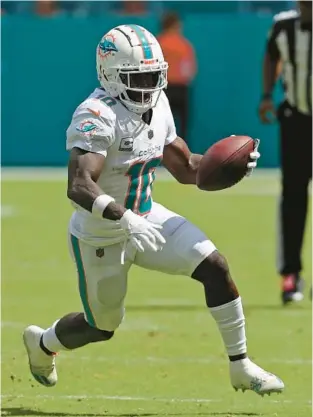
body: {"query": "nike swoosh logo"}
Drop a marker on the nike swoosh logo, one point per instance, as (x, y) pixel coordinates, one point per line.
(96, 113)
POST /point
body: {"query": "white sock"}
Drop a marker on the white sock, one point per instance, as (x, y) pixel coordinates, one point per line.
(231, 323)
(50, 340)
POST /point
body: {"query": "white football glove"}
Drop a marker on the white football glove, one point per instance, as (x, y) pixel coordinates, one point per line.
(254, 156)
(141, 233)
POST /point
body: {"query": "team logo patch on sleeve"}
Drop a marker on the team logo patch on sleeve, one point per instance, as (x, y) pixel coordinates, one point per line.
(86, 127)
(127, 144)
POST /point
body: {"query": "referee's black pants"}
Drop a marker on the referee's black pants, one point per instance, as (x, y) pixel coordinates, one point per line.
(178, 97)
(296, 166)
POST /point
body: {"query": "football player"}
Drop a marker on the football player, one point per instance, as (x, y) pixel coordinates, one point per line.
(116, 139)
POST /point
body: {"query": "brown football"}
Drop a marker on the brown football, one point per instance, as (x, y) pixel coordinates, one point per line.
(225, 163)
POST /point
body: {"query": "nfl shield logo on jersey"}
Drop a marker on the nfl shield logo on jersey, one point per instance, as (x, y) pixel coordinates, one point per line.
(126, 144)
(150, 134)
(100, 252)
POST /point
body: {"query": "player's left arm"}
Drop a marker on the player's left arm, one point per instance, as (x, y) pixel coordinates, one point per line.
(183, 164)
(177, 158)
(180, 162)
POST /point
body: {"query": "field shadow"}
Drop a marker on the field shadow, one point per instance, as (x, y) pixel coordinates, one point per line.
(21, 411)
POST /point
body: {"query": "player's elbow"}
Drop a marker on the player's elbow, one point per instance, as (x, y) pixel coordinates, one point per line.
(71, 192)
(186, 176)
(183, 175)
(179, 176)
(184, 179)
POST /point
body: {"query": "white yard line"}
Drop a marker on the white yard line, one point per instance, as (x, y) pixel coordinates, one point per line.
(55, 174)
(114, 398)
(32, 174)
(263, 181)
(135, 398)
(43, 173)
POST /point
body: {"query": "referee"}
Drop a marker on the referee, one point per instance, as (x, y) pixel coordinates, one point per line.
(289, 54)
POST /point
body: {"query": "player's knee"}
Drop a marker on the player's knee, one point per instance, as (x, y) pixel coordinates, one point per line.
(214, 274)
(213, 268)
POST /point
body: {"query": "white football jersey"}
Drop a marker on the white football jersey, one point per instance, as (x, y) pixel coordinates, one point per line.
(133, 150)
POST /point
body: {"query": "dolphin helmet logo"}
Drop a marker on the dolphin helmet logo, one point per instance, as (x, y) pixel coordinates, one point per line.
(106, 46)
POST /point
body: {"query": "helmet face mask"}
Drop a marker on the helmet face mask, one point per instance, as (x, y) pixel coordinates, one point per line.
(124, 72)
(142, 87)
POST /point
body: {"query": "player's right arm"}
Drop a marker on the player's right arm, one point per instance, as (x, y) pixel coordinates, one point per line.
(88, 140)
(84, 169)
(271, 72)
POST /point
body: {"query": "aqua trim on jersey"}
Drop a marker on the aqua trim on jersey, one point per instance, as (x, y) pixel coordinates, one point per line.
(147, 51)
(82, 281)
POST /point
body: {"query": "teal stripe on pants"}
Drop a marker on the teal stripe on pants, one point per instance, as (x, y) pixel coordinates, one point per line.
(82, 281)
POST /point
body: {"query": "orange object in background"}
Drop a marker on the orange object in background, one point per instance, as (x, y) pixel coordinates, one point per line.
(134, 7)
(46, 8)
(178, 52)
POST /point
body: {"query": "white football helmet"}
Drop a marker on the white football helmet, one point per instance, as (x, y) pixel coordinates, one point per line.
(131, 66)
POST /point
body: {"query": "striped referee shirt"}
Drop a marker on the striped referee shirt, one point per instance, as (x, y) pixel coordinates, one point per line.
(290, 41)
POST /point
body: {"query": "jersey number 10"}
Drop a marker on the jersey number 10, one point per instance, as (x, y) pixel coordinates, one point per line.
(141, 176)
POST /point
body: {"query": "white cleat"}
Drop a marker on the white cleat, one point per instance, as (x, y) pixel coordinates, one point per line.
(246, 375)
(42, 366)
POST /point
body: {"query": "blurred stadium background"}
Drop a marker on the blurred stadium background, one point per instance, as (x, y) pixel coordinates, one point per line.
(48, 67)
(167, 358)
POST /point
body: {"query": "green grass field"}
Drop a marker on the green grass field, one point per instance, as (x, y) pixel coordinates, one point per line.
(167, 359)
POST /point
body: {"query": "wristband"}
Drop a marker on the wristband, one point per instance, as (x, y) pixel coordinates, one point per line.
(100, 204)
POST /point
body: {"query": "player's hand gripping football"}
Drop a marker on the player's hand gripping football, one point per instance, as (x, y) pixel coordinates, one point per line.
(142, 233)
(254, 156)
